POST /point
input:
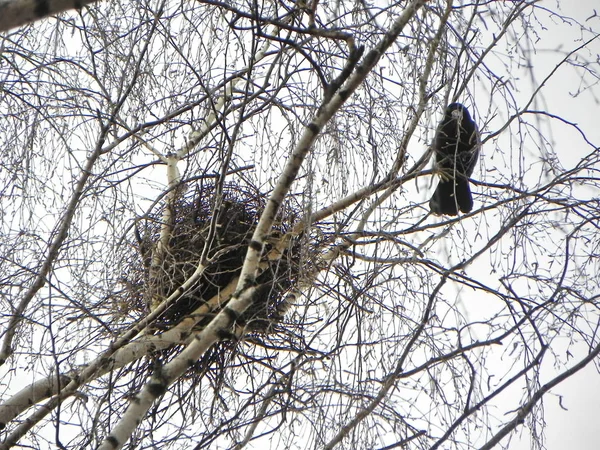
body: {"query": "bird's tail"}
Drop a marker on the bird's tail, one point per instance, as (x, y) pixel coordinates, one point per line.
(452, 196)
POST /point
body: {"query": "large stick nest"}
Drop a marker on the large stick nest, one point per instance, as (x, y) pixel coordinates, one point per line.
(232, 220)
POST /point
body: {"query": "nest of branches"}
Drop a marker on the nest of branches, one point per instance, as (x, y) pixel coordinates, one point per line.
(203, 228)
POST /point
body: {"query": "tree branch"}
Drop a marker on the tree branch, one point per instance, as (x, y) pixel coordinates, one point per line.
(242, 299)
(14, 13)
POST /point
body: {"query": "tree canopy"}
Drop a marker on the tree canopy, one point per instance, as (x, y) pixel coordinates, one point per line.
(215, 229)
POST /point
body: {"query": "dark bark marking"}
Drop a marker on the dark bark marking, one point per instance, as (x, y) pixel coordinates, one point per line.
(256, 246)
(225, 335)
(344, 94)
(314, 128)
(113, 441)
(42, 8)
(231, 314)
(157, 389)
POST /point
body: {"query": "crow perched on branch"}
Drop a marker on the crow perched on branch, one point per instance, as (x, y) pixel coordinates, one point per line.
(456, 146)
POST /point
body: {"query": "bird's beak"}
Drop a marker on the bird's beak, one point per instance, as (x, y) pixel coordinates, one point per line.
(457, 114)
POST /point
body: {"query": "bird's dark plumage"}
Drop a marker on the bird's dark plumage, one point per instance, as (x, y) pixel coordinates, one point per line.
(456, 146)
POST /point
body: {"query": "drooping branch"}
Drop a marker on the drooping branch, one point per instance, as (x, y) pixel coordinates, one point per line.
(62, 227)
(308, 138)
(527, 407)
(217, 107)
(391, 182)
(67, 384)
(389, 382)
(53, 251)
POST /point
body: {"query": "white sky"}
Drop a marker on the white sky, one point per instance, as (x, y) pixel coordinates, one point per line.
(578, 426)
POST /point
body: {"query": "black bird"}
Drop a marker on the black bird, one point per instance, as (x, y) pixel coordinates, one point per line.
(456, 146)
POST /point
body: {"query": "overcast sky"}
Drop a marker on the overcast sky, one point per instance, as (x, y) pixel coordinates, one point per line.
(577, 427)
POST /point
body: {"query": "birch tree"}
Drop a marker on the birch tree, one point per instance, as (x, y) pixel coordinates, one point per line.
(216, 232)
